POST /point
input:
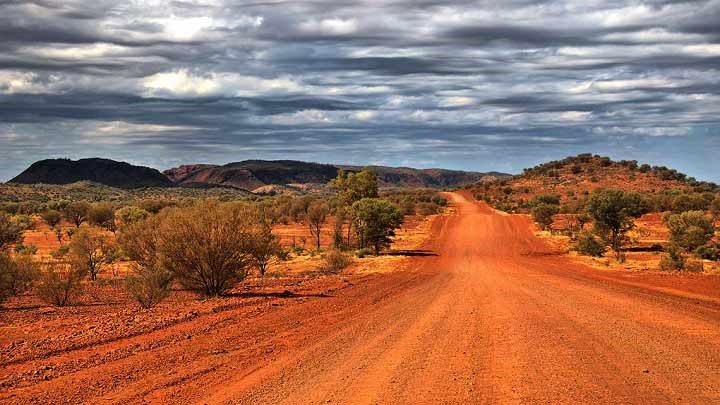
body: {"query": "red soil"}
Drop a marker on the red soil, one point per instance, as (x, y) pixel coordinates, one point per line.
(495, 316)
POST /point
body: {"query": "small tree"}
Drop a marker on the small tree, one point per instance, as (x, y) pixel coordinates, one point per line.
(264, 247)
(90, 251)
(52, 218)
(76, 212)
(581, 219)
(614, 212)
(102, 215)
(10, 232)
(353, 187)
(58, 234)
(340, 215)
(375, 222)
(543, 214)
(316, 215)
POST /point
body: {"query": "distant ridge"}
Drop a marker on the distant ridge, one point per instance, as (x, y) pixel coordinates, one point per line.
(258, 174)
(261, 176)
(103, 171)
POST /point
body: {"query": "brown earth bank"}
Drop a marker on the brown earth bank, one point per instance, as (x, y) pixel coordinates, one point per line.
(485, 312)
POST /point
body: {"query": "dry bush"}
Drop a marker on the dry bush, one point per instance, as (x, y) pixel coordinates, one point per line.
(264, 247)
(17, 274)
(60, 284)
(149, 286)
(205, 246)
(335, 260)
(91, 251)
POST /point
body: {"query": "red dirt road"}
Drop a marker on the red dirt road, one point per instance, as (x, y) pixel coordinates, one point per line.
(494, 317)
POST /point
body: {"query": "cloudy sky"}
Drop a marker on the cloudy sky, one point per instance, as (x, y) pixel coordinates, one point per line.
(456, 84)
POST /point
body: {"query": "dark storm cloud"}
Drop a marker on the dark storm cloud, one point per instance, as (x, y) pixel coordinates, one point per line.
(463, 84)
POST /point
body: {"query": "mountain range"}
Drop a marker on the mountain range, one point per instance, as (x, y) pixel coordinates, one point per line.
(252, 175)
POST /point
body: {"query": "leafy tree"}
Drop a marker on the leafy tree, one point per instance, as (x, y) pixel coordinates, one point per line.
(316, 216)
(353, 187)
(543, 214)
(90, 251)
(690, 230)
(10, 232)
(76, 212)
(375, 222)
(52, 217)
(614, 212)
(102, 215)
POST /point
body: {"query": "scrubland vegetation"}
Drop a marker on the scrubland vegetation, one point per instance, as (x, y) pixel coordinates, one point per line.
(597, 203)
(208, 245)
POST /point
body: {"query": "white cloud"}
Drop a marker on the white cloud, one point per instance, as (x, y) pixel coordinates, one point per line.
(15, 82)
(310, 116)
(183, 83)
(456, 101)
(330, 26)
(364, 115)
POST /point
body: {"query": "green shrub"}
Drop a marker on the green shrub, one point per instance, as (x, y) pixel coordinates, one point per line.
(24, 249)
(673, 259)
(708, 252)
(690, 230)
(590, 245)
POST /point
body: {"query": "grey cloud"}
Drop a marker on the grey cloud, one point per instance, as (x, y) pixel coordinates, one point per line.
(463, 84)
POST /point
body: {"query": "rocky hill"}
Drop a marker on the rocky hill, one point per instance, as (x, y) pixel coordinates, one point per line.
(102, 171)
(258, 174)
(573, 178)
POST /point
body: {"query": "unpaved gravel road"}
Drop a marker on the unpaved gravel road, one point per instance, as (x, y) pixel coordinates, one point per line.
(495, 316)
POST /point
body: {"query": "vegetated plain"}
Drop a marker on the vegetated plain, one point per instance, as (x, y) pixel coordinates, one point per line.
(580, 285)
